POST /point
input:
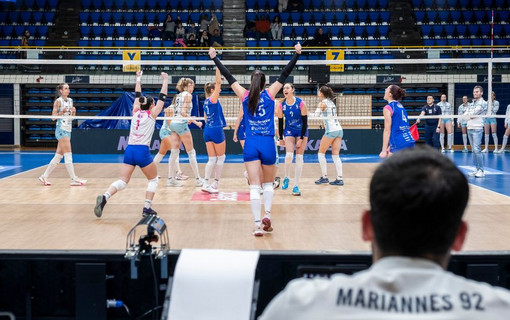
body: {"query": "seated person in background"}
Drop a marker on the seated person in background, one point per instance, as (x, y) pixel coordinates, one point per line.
(204, 39)
(192, 30)
(295, 5)
(321, 39)
(180, 32)
(24, 43)
(204, 23)
(216, 40)
(276, 28)
(413, 224)
(263, 28)
(191, 41)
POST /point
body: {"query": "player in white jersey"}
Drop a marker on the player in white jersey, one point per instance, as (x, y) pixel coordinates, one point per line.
(412, 227)
(138, 152)
(165, 135)
(332, 136)
(462, 123)
(182, 105)
(507, 131)
(63, 106)
(446, 123)
(491, 124)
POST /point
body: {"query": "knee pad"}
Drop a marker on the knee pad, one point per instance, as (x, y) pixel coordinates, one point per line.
(68, 157)
(192, 154)
(299, 158)
(267, 187)
(254, 192)
(153, 185)
(289, 156)
(221, 159)
(119, 185)
(56, 159)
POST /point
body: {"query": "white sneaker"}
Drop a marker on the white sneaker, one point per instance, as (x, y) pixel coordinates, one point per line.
(209, 189)
(485, 150)
(258, 232)
(78, 182)
(498, 151)
(480, 174)
(173, 183)
(442, 150)
(215, 184)
(472, 174)
(465, 150)
(44, 181)
(181, 176)
(199, 182)
(450, 150)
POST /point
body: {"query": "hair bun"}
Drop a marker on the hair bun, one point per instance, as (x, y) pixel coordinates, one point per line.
(142, 100)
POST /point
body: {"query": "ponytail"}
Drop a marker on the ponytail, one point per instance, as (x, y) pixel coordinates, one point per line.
(258, 82)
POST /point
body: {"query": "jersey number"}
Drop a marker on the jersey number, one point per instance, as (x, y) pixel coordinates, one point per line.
(404, 117)
(261, 111)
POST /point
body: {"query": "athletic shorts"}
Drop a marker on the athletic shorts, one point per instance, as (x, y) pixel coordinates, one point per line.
(137, 155)
(446, 120)
(334, 134)
(463, 125)
(214, 134)
(59, 133)
(260, 148)
(294, 133)
(241, 133)
(489, 121)
(179, 127)
(394, 149)
(164, 132)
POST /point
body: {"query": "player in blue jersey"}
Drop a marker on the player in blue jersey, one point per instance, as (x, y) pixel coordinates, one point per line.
(214, 136)
(294, 135)
(332, 136)
(63, 106)
(396, 135)
(258, 109)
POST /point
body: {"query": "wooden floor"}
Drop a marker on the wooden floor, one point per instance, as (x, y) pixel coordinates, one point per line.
(60, 217)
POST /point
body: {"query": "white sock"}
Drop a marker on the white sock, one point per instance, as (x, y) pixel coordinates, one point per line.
(107, 195)
(157, 158)
(174, 154)
(267, 187)
(495, 138)
(288, 162)
(219, 167)
(450, 140)
(193, 163)
(486, 141)
(338, 165)
(298, 169)
(505, 140)
(441, 140)
(255, 202)
(209, 167)
(52, 165)
(464, 140)
(147, 203)
(323, 164)
(177, 164)
(68, 159)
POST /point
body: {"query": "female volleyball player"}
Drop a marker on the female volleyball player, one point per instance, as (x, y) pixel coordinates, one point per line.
(166, 137)
(332, 136)
(137, 152)
(180, 130)
(294, 134)
(490, 124)
(258, 108)
(507, 131)
(462, 123)
(63, 106)
(396, 135)
(214, 136)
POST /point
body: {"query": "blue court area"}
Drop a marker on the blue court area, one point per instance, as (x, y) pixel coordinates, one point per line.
(497, 166)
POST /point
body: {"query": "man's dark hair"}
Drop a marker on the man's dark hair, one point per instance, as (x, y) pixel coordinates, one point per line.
(417, 199)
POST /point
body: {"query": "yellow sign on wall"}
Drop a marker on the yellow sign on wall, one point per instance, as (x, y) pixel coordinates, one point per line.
(131, 55)
(335, 55)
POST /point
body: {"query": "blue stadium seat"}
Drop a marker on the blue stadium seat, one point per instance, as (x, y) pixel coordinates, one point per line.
(383, 30)
(416, 3)
(218, 4)
(453, 42)
(385, 16)
(467, 15)
(438, 29)
(25, 16)
(94, 16)
(450, 29)
(425, 30)
(374, 16)
(465, 42)
(106, 16)
(479, 15)
(250, 4)
(96, 4)
(19, 30)
(503, 15)
(362, 16)
(296, 16)
(431, 16)
(138, 16)
(84, 16)
(473, 28)
(476, 3)
(455, 16)
(128, 16)
(485, 29)
(443, 15)
(383, 4)
(351, 16)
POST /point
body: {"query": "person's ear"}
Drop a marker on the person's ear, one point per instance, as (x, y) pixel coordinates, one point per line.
(367, 230)
(460, 237)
